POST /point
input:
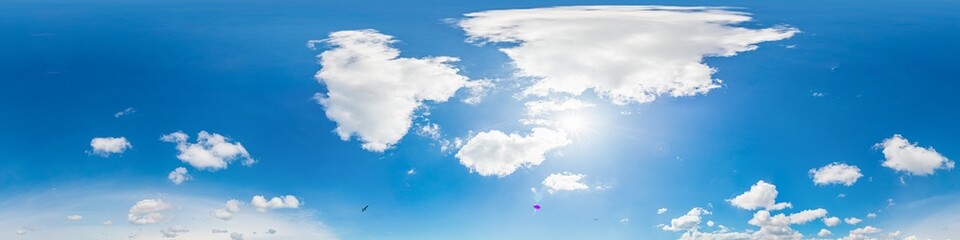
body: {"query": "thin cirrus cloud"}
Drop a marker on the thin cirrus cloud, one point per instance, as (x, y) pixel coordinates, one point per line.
(903, 156)
(372, 92)
(105, 146)
(624, 53)
(836, 173)
(211, 151)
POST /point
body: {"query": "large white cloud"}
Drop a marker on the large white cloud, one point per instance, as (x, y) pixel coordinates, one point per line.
(761, 196)
(147, 211)
(625, 53)
(262, 204)
(564, 181)
(211, 151)
(836, 173)
(903, 156)
(372, 93)
(104, 146)
(495, 153)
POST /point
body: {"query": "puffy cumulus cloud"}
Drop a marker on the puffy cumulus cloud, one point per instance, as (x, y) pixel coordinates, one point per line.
(903, 156)
(862, 233)
(211, 151)
(178, 175)
(852, 220)
(661, 210)
(147, 211)
(806, 216)
(230, 208)
(262, 205)
(372, 93)
(104, 146)
(871, 215)
(74, 217)
(689, 221)
(495, 153)
(625, 53)
(831, 221)
(761, 196)
(564, 181)
(543, 107)
(824, 233)
(773, 227)
(836, 173)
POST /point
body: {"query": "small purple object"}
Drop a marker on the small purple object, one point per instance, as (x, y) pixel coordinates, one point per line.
(536, 207)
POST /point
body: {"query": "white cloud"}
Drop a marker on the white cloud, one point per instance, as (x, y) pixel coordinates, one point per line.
(689, 221)
(477, 89)
(806, 216)
(211, 151)
(178, 175)
(624, 220)
(661, 210)
(173, 232)
(372, 93)
(624, 53)
(903, 156)
(125, 112)
(831, 221)
(231, 208)
(862, 233)
(74, 217)
(262, 205)
(412, 171)
(773, 227)
(495, 153)
(564, 181)
(836, 173)
(871, 215)
(824, 233)
(852, 220)
(107, 223)
(104, 146)
(147, 211)
(543, 107)
(761, 196)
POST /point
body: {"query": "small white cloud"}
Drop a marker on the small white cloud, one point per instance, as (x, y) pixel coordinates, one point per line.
(624, 220)
(824, 233)
(147, 211)
(836, 173)
(262, 205)
(477, 89)
(231, 208)
(862, 233)
(686, 222)
(495, 153)
(372, 92)
(564, 181)
(107, 223)
(173, 232)
(852, 220)
(710, 223)
(819, 94)
(104, 146)
(74, 217)
(661, 210)
(412, 171)
(760, 196)
(125, 112)
(871, 215)
(903, 156)
(211, 151)
(806, 216)
(178, 175)
(831, 221)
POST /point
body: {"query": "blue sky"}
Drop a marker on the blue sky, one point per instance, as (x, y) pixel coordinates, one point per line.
(827, 83)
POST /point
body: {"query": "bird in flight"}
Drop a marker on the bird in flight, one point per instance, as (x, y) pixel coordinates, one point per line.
(364, 208)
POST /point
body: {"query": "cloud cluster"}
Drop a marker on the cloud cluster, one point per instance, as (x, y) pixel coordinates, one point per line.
(903, 156)
(494, 153)
(104, 146)
(625, 53)
(564, 181)
(211, 151)
(262, 205)
(147, 211)
(372, 92)
(689, 221)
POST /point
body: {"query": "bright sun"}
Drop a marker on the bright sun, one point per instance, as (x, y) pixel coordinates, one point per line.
(572, 123)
